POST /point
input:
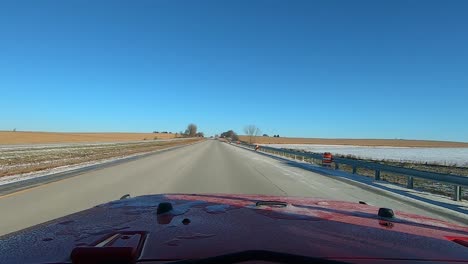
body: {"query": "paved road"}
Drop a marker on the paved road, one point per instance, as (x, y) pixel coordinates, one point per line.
(207, 167)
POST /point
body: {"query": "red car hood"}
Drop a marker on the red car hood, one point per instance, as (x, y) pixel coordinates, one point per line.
(201, 226)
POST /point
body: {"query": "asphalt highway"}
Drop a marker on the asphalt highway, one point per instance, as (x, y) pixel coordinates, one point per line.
(207, 167)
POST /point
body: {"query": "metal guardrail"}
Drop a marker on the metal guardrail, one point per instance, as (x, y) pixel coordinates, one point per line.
(456, 180)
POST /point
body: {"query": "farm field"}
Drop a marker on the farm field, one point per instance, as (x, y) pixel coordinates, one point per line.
(440, 156)
(357, 142)
(42, 158)
(25, 137)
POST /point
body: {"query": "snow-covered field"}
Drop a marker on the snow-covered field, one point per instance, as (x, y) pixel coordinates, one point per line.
(442, 156)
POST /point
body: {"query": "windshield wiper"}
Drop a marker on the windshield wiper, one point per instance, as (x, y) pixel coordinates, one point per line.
(258, 255)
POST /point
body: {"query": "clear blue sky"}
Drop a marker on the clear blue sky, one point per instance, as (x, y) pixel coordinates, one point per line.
(351, 69)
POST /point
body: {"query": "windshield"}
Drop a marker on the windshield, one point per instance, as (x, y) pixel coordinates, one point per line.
(355, 101)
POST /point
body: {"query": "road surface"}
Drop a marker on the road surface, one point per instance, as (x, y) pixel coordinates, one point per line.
(207, 167)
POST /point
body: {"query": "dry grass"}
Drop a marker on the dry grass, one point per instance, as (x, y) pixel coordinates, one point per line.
(35, 160)
(20, 137)
(358, 142)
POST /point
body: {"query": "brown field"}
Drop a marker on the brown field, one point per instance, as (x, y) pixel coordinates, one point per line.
(357, 142)
(20, 137)
(26, 160)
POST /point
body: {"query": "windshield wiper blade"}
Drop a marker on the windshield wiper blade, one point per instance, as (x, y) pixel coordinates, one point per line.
(258, 255)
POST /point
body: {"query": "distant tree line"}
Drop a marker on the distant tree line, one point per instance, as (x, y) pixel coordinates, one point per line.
(190, 131)
(266, 135)
(251, 131)
(230, 134)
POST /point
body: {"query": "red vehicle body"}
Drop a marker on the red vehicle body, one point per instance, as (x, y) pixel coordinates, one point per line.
(235, 228)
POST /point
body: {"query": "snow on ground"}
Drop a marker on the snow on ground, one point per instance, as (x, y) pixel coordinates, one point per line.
(31, 175)
(427, 199)
(27, 155)
(443, 156)
(78, 145)
(435, 201)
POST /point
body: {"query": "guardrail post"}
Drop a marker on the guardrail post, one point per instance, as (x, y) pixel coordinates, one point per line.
(457, 193)
(354, 169)
(377, 175)
(410, 184)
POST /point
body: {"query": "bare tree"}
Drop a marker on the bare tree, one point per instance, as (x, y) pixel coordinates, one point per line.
(191, 130)
(251, 131)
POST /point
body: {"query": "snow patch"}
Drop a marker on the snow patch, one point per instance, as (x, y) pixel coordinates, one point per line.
(26, 176)
(443, 156)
